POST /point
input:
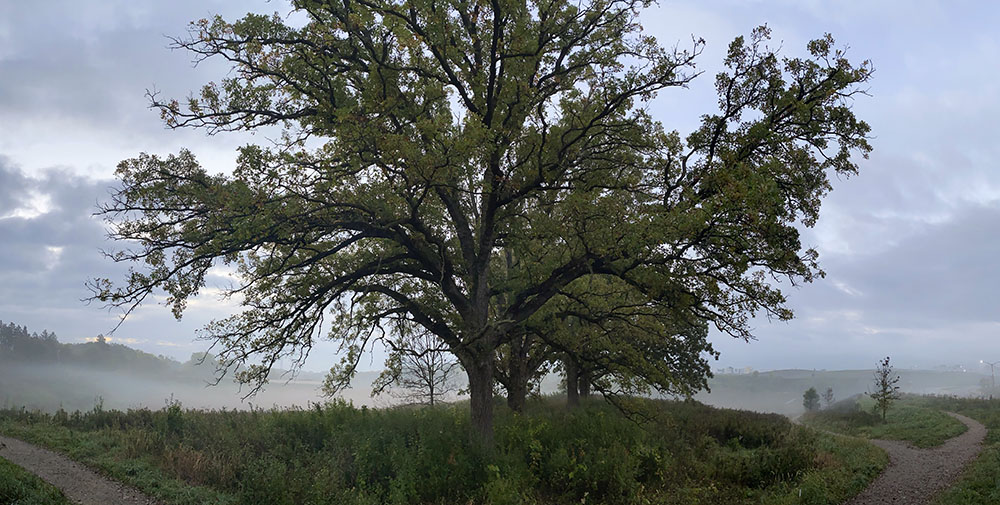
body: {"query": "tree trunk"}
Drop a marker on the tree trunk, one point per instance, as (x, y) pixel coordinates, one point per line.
(517, 396)
(517, 386)
(572, 383)
(480, 373)
(585, 379)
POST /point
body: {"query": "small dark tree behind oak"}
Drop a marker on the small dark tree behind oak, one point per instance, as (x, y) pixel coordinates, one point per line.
(422, 371)
(886, 391)
(828, 397)
(810, 400)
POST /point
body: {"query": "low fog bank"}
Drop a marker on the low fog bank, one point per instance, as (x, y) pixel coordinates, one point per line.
(780, 391)
(48, 387)
(39, 372)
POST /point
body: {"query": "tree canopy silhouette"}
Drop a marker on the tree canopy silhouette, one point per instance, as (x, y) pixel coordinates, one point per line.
(478, 169)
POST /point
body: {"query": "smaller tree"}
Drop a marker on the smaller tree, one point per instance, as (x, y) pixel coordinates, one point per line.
(810, 400)
(886, 390)
(419, 370)
(828, 397)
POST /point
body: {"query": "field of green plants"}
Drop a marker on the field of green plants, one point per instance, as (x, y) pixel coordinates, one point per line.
(679, 453)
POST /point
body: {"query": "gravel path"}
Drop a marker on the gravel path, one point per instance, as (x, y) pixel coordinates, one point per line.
(915, 476)
(80, 484)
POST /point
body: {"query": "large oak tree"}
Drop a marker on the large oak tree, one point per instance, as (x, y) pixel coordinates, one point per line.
(428, 142)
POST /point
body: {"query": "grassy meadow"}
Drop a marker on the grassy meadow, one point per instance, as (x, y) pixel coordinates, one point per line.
(911, 419)
(672, 453)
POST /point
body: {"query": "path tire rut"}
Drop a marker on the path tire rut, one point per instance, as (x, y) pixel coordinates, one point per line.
(915, 476)
(79, 483)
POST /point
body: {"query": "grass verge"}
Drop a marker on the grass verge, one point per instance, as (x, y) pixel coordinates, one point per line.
(684, 453)
(910, 419)
(19, 487)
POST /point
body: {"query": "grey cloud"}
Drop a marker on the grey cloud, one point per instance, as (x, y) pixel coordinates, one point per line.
(932, 298)
(932, 107)
(13, 188)
(94, 60)
(75, 74)
(947, 273)
(45, 261)
(31, 272)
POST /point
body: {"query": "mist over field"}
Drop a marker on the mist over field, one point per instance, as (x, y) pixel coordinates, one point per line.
(48, 387)
(38, 372)
(780, 391)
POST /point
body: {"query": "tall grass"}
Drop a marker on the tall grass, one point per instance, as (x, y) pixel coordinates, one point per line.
(682, 453)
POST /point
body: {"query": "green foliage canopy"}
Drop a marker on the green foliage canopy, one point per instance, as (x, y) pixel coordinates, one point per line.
(423, 138)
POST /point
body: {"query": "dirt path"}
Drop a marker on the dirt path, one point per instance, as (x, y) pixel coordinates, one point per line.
(916, 476)
(80, 484)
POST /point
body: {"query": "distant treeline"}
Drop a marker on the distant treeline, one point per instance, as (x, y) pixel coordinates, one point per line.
(19, 345)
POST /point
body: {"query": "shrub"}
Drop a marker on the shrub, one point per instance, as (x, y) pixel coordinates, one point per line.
(174, 420)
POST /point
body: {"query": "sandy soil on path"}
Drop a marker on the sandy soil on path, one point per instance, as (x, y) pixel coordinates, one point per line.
(915, 476)
(80, 484)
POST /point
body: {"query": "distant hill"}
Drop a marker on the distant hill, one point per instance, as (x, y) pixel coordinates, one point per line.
(38, 371)
(19, 345)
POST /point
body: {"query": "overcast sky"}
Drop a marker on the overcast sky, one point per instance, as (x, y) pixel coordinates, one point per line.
(911, 246)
